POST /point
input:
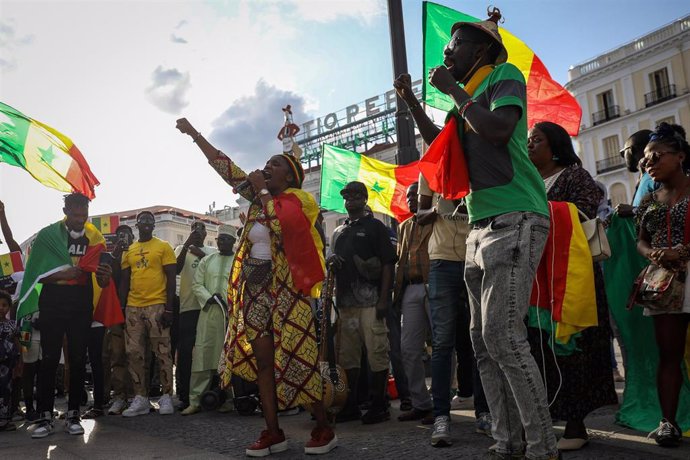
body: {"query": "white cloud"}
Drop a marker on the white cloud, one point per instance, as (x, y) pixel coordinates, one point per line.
(247, 130)
(168, 90)
(10, 43)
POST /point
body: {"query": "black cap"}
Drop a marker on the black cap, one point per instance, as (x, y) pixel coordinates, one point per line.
(355, 186)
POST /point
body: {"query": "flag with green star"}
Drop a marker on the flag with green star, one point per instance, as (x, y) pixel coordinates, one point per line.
(11, 263)
(48, 155)
(386, 183)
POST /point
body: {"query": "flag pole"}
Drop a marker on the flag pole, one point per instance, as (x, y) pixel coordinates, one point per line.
(404, 126)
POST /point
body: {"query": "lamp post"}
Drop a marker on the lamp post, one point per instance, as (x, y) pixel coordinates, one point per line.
(404, 125)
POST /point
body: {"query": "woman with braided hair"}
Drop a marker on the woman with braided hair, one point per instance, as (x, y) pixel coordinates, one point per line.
(278, 266)
(663, 219)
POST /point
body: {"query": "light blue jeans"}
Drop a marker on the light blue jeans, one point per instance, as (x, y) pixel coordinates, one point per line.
(502, 256)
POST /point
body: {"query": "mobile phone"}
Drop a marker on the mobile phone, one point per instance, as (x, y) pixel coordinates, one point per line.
(106, 258)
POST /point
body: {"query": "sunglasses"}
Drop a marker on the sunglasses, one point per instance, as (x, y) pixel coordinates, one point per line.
(653, 157)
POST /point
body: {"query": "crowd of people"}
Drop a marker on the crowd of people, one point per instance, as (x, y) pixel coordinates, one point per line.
(459, 280)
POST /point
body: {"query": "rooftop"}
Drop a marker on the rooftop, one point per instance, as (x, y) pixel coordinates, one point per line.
(638, 45)
(163, 209)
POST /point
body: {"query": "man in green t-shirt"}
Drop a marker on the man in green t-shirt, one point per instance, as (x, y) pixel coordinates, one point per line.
(509, 215)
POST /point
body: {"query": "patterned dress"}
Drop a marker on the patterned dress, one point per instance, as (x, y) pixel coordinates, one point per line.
(9, 354)
(298, 381)
(587, 376)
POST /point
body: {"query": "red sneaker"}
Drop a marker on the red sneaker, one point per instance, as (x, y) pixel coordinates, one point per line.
(323, 440)
(267, 444)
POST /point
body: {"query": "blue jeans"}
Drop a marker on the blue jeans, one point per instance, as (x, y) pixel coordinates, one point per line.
(447, 302)
(502, 256)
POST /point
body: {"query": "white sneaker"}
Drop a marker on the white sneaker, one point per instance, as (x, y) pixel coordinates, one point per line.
(73, 423)
(458, 403)
(140, 406)
(117, 407)
(165, 405)
(44, 426)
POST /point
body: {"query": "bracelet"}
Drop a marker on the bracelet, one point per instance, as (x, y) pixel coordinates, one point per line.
(465, 105)
(196, 138)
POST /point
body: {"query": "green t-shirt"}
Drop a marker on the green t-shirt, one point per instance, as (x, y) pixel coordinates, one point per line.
(502, 178)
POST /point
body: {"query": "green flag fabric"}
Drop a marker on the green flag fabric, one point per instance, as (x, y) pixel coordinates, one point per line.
(48, 255)
(640, 408)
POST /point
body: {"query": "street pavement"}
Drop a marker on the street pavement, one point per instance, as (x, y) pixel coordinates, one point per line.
(211, 435)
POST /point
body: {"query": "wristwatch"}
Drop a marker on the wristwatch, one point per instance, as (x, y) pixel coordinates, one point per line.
(263, 192)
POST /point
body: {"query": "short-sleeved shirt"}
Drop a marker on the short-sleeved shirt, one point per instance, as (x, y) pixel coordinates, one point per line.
(148, 281)
(645, 186)
(450, 229)
(188, 301)
(502, 177)
(360, 241)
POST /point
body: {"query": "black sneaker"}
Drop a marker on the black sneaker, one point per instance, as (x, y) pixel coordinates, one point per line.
(73, 423)
(376, 415)
(32, 415)
(667, 435)
(346, 415)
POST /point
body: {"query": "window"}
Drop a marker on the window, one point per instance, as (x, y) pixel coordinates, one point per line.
(607, 109)
(661, 88)
(180, 239)
(611, 146)
(670, 120)
(612, 159)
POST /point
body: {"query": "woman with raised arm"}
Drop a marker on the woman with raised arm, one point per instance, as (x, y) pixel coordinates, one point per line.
(278, 265)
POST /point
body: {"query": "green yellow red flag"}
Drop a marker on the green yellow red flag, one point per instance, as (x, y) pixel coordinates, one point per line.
(11, 263)
(386, 183)
(48, 155)
(547, 100)
(106, 224)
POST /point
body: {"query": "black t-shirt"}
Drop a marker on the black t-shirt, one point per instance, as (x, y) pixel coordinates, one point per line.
(364, 244)
(72, 295)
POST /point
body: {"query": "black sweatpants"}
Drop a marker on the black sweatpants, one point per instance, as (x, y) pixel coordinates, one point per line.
(95, 350)
(185, 345)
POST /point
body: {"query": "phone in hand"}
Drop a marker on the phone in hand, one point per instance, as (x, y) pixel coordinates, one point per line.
(106, 258)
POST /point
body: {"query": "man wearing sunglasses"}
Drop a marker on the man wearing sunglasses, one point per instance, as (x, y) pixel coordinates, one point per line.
(633, 152)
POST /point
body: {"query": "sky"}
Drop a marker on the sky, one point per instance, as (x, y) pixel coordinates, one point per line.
(115, 75)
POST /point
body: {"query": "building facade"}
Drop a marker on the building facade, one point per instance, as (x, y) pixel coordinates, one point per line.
(633, 87)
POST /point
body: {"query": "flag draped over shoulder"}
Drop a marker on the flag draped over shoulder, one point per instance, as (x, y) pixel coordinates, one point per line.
(547, 100)
(49, 255)
(564, 281)
(640, 409)
(48, 155)
(301, 242)
(386, 183)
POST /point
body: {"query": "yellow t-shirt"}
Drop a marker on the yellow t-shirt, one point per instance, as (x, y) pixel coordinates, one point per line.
(147, 282)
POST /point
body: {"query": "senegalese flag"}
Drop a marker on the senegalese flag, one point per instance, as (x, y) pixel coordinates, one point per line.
(563, 290)
(48, 155)
(106, 224)
(386, 183)
(547, 100)
(11, 263)
(49, 255)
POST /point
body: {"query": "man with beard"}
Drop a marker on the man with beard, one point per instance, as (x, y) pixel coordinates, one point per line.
(210, 286)
(509, 215)
(632, 152)
(363, 259)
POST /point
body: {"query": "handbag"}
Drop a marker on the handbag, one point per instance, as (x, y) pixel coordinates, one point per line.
(659, 288)
(596, 237)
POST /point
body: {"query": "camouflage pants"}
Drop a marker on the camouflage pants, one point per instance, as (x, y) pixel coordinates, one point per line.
(115, 371)
(143, 327)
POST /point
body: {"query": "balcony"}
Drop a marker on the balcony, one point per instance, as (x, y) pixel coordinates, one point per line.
(661, 94)
(609, 113)
(610, 164)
